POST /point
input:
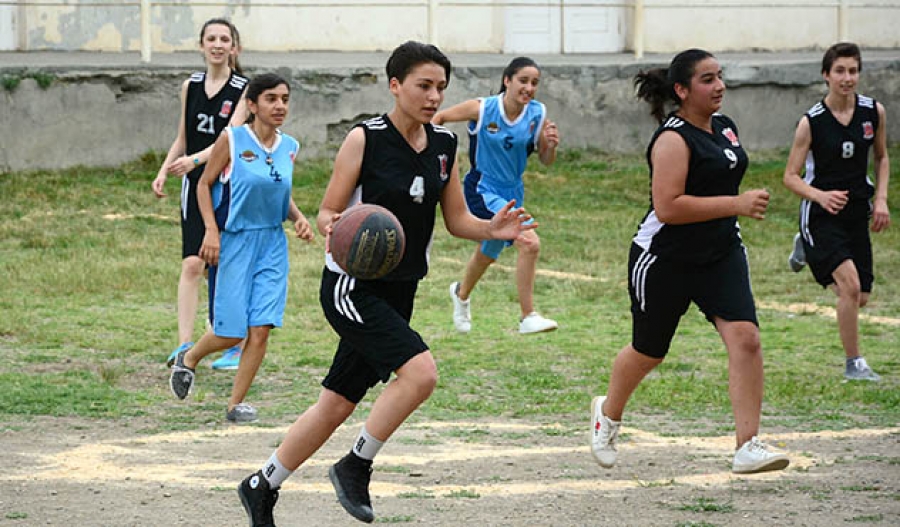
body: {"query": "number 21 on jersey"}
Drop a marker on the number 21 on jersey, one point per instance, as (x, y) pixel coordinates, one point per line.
(205, 124)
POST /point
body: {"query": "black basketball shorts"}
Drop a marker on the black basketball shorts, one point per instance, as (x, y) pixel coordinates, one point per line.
(372, 319)
(831, 239)
(661, 292)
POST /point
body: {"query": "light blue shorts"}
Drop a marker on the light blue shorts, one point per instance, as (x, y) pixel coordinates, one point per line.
(251, 282)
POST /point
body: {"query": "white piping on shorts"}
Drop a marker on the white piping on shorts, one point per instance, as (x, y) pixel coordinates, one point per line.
(639, 277)
(342, 302)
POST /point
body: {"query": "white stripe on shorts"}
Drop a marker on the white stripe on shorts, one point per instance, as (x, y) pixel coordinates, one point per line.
(342, 302)
(639, 277)
(805, 206)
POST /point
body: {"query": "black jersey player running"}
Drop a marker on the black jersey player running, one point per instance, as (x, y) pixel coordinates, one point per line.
(687, 249)
(210, 100)
(833, 139)
(404, 163)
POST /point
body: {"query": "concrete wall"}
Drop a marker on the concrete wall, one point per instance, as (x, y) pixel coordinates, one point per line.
(460, 26)
(110, 115)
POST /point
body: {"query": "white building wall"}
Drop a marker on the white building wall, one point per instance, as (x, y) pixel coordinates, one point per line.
(457, 26)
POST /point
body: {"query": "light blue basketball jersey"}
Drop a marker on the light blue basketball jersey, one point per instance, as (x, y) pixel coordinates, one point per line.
(499, 148)
(258, 181)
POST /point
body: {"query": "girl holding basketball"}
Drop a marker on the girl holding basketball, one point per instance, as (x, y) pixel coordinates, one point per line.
(504, 130)
(210, 100)
(833, 140)
(406, 164)
(687, 249)
(256, 163)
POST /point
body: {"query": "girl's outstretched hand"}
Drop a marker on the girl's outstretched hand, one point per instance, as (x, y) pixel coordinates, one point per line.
(510, 222)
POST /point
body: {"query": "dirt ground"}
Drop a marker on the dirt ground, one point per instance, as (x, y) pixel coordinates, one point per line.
(87, 473)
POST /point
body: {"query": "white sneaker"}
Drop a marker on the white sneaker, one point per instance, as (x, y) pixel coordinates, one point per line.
(534, 323)
(754, 456)
(462, 318)
(604, 432)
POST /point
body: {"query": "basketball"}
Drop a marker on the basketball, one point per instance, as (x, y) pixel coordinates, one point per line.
(367, 241)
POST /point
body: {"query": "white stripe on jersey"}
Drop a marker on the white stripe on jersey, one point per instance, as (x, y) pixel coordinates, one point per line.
(198, 76)
(375, 123)
(673, 122)
(639, 277)
(442, 130)
(817, 109)
(810, 175)
(647, 230)
(342, 302)
(238, 82)
(868, 102)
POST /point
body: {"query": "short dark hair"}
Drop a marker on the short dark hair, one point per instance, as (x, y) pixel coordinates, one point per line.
(410, 54)
(261, 83)
(841, 49)
(513, 67)
(657, 86)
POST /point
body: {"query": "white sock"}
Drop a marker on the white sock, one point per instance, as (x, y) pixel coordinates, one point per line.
(274, 471)
(366, 446)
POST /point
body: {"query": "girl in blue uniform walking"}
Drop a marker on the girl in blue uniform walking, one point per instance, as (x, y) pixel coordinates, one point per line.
(256, 163)
(504, 130)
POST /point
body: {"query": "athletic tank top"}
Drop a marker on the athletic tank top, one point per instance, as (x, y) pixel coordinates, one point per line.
(406, 182)
(499, 147)
(838, 157)
(257, 183)
(716, 167)
(205, 117)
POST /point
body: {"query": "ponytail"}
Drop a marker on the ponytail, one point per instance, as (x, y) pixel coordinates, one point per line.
(657, 86)
(654, 88)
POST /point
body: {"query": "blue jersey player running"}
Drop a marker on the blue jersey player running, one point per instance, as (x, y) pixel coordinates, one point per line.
(503, 131)
(256, 163)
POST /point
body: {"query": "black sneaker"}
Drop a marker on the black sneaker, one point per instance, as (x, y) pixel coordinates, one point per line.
(350, 477)
(181, 380)
(258, 500)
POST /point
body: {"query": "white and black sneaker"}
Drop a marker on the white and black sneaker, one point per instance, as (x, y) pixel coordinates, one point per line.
(350, 477)
(857, 369)
(797, 259)
(181, 380)
(258, 500)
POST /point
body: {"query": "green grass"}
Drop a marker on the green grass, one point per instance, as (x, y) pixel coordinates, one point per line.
(90, 263)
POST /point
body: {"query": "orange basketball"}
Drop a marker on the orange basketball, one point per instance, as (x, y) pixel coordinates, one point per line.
(367, 241)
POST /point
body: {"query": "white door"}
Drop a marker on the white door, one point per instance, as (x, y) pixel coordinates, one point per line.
(534, 29)
(8, 30)
(593, 26)
(564, 26)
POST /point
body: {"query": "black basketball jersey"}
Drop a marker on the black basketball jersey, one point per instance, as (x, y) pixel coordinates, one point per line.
(716, 167)
(407, 183)
(204, 117)
(838, 157)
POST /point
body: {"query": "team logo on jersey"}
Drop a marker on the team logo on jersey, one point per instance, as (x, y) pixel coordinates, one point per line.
(492, 127)
(531, 127)
(731, 136)
(443, 160)
(249, 156)
(225, 111)
(868, 130)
